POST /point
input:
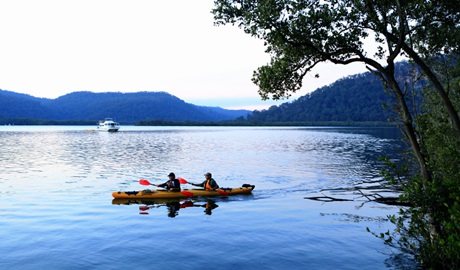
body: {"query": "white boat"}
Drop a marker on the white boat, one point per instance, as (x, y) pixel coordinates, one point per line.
(108, 125)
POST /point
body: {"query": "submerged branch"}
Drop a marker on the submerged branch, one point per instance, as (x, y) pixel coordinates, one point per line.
(373, 196)
(326, 199)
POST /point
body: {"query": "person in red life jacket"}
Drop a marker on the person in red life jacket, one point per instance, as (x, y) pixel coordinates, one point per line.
(172, 184)
(209, 183)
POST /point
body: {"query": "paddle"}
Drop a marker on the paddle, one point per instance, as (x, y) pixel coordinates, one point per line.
(146, 183)
(184, 181)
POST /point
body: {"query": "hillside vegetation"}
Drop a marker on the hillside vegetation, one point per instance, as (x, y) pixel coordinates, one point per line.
(356, 98)
(124, 107)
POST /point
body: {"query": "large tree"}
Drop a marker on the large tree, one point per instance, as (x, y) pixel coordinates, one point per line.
(301, 34)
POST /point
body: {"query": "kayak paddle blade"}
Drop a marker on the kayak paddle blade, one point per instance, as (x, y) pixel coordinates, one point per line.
(182, 180)
(144, 182)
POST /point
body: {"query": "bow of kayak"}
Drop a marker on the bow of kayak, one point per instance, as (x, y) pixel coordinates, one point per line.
(186, 193)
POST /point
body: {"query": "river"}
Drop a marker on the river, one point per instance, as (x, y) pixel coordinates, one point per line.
(57, 211)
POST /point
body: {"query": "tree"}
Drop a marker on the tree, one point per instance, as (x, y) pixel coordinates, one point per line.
(301, 34)
(442, 150)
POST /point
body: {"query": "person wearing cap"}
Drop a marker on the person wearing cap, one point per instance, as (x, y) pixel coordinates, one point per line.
(209, 183)
(172, 184)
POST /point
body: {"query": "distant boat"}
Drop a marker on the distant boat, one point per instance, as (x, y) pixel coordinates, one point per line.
(108, 125)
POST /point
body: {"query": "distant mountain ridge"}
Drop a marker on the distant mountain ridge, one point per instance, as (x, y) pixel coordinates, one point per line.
(124, 107)
(356, 98)
(353, 99)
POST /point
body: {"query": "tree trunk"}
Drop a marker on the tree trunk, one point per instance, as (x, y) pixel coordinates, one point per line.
(407, 122)
(455, 118)
(415, 142)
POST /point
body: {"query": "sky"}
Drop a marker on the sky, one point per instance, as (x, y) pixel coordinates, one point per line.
(49, 48)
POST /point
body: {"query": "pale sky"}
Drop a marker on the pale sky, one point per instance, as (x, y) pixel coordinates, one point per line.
(49, 48)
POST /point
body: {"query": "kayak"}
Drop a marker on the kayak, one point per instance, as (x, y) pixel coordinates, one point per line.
(185, 193)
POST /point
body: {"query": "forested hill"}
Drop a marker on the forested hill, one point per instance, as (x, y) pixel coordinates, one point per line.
(124, 107)
(357, 98)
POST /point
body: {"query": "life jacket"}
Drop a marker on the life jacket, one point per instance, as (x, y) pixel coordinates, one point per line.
(207, 185)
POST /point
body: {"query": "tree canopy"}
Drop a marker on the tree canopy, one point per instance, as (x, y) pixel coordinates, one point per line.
(301, 34)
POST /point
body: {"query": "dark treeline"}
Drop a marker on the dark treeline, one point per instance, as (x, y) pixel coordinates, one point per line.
(244, 123)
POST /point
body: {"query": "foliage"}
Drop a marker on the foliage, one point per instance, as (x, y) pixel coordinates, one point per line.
(441, 196)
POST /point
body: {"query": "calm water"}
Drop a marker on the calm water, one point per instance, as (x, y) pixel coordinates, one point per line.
(57, 211)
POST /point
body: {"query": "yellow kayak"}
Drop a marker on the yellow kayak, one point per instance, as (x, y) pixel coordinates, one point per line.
(185, 193)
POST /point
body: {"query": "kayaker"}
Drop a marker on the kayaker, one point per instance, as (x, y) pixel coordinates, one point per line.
(172, 184)
(209, 183)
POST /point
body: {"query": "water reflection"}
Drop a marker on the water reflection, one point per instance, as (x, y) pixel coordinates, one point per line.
(172, 206)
